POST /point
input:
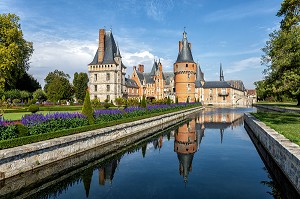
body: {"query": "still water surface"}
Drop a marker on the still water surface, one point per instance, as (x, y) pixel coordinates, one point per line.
(208, 156)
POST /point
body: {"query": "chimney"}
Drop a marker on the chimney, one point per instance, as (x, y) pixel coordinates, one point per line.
(190, 45)
(180, 46)
(141, 68)
(101, 45)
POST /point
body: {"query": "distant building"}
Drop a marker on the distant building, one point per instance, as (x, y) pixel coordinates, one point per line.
(156, 84)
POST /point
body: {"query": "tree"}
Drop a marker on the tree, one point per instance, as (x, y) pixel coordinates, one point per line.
(39, 95)
(52, 75)
(282, 54)
(290, 10)
(119, 101)
(80, 83)
(87, 109)
(58, 87)
(27, 83)
(15, 51)
(143, 102)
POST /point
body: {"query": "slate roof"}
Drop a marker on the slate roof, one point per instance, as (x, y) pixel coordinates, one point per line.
(167, 76)
(154, 68)
(185, 54)
(216, 84)
(148, 78)
(199, 77)
(140, 76)
(110, 50)
(237, 84)
(131, 83)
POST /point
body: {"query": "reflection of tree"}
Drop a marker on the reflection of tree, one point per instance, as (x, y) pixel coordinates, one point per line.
(275, 193)
(87, 178)
(144, 148)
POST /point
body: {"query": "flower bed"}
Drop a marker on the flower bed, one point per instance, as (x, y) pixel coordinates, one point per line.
(41, 124)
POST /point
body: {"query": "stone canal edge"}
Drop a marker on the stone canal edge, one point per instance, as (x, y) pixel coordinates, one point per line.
(285, 153)
(17, 160)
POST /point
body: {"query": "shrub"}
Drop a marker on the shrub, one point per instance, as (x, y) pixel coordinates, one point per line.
(87, 109)
(106, 105)
(176, 100)
(33, 108)
(143, 102)
(21, 130)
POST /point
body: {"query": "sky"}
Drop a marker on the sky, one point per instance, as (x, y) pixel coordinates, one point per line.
(65, 33)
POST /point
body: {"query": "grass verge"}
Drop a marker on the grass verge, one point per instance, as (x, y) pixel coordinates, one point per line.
(4, 144)
(287, 124)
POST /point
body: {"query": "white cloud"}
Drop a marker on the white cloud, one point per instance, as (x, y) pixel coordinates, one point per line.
(243, 65)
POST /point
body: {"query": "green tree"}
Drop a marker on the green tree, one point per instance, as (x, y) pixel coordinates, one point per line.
(176, 100)
(39, 95)
(119, 101)
(27, 83)
(80, 83)
(282, 54)
(15, 51)
(87, 109)
(13, 94)
(24, 95)
(290, 11)
(58, 87)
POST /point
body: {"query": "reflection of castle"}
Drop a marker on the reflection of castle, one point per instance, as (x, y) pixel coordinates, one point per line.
(187, 141)
(107, 171)
(189, 136)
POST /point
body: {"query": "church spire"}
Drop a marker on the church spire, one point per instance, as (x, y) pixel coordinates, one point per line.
(221, 73)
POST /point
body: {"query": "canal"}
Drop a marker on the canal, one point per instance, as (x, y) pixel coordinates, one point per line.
(210, 155)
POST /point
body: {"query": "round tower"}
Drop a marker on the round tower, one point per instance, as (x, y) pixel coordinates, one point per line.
(185, 72)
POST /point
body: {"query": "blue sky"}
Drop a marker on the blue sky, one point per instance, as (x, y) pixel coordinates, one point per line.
(65, 33)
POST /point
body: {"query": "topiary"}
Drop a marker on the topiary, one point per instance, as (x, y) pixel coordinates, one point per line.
(33, 108)
(143, 102)
(176, 100)
(87, 109)
(21, 130)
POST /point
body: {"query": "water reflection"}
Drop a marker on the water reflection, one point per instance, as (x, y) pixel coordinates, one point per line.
(188, 136)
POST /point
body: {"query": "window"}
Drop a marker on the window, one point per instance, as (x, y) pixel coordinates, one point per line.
(95, 96)
(107, 76)
(107, 87)
(95, 88)
(132, 91)
(95, 77)
(188, 87)
(186, 65)
(189, 75)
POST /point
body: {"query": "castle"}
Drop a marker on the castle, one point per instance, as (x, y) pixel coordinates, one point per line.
(186, 82)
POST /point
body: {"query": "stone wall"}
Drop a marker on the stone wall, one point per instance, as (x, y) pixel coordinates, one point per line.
(285, 153)
(21, 159)
(277, 109)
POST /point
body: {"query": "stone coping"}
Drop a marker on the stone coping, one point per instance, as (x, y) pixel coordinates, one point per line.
(285, 153)
(277, 109)
(20, 150)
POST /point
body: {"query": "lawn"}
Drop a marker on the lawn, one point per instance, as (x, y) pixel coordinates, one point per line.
(287, 124)
(288, 105)
(18, 116)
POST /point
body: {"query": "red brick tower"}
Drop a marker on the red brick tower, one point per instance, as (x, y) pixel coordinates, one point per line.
(185, 72)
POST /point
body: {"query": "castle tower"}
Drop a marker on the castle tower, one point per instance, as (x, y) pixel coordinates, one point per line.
(185, 72)
(106, 71)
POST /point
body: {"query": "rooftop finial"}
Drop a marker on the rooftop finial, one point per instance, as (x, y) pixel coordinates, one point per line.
(184, 33)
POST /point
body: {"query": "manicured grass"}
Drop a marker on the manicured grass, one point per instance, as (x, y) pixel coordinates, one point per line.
(288, 105)
(18, 116)
(287, 124)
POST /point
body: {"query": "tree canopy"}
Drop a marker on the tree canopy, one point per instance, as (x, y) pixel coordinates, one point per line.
(80, 83)
(57, 86)
(282, 54)
(15, 51)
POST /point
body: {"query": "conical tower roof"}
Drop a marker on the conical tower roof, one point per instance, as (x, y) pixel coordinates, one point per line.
(185, 53)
